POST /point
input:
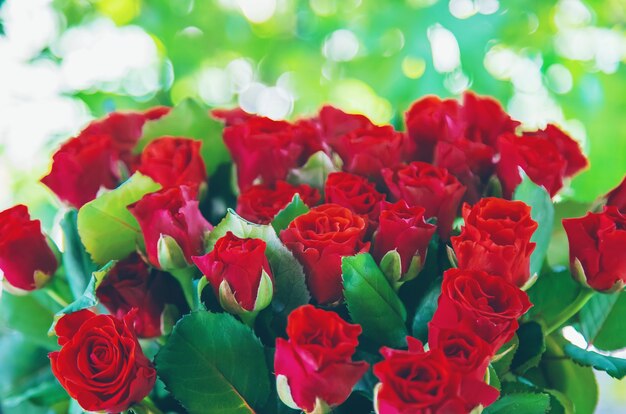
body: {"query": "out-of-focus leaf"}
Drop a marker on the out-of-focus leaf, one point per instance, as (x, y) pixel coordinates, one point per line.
(602, 321)
(76, 261)
(522, 403)
(546, 305)
(615, 367)
(531, 347)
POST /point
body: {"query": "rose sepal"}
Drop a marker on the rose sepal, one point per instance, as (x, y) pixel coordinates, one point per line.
(170, 254)
(284, 393)
(391, 266)
(230, 304)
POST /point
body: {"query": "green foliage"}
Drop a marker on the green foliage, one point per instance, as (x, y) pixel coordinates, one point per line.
(372, 302)
(615, 367)
(76, 261)
(504, 357)
(89, 298)
(29, 316)
(546, 304)
(425, 311)
(522, 403)
(292, 210)
(602, 321)
(531, 347)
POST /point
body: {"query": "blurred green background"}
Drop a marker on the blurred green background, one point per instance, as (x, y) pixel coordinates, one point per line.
(64, 62)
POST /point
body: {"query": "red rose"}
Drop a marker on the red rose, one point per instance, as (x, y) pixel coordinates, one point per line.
(467, 353)
(25, 256)
(597, 241)
(484, 119)
(260, 203)
(538, 157)
(334, 123)
(173, 161)
(265, 149)
(430, 187)
(101, 364)
(419, 382)
(171, 212)
(131, 285)
(354, 192)
(316, 362)
(476, 301)
(402, 228)
(575, 160)
(232, 116)
(319, 239)
(366, 151)
(241, 265)
(617, 197)
(495, 238)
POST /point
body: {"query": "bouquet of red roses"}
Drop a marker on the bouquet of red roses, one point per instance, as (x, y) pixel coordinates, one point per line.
(222, 262)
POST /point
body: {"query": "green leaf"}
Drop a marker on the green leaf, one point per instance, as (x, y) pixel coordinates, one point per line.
(27, 315)
(522, 403)
(372, 302)
(89, 298)
(542, 211)
(546, 305)
(531, 347)
(314, 172)
(615, 367)
(290, 290)
(295, 208)
(559, 403)
(76, 261)
(602, 321)
(190, 120)
(106, 227)
(504, 357)
(213, 363)
(425, 311)
(494, 380)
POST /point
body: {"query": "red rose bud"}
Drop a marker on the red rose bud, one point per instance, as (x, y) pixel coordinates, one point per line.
(430, 187)
(319, 239)
(265, 149)
(575, 160)
(101, 364)
(234, 116)
(467, 353)
(495, 238)
(538, 157)
(26, 259)
(173, 227)
(419, 382)
(485, 119)
(596, 245)
(617, 197)
(355, 193)
(131, 285)
(314, 368)
(94, 159)
(402, 231)
(240, 274)
(366, 151)
(334, 123)
(173, 161)
(260, 203)
(476, 301)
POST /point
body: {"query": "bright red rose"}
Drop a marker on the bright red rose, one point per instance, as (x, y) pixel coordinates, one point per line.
(366, 151)
(597, 241)
(319, 239)
(538, 157)
(402, 228)
(316, 361)
(25, 256)
(265, 149)
(617, 197)
(430, 187)
(131, 285)
(476, 301)
(173, 161)
(240, 263)
(354, 192)
(484, 119)
(418, 382)
(260, 203)
(232, 116)
(101, 364)
(467, 353)
(173, 213)
(575, 160)
(495, 238)
(334, 123)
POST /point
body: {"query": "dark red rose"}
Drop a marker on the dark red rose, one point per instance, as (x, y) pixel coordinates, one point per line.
(597, 241)
(419, 382)
(234, 116)
(538, 157)
(484, 119)
(132, 285)
(260, 203)
(240, 263)
(354, 192)
(334, 123)
(617, 197)
(265, 149)
(26, 259)
(316, 362)
(402, 228)
(366, 151)
(430, 187)
(101, 364)
(495, 238)
(575, 160)
(319, 239)
(476, 301)
(467, 353)
(171, 212)
(173, 161)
